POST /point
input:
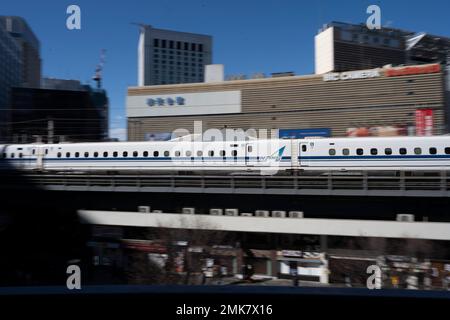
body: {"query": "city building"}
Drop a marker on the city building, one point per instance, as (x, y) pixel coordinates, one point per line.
(55, 115)
(29, 44)
(344, 47)
(168, 57)
(10, 75)
(381, 101)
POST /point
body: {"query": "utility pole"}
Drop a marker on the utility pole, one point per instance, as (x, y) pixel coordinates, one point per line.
(50, 131)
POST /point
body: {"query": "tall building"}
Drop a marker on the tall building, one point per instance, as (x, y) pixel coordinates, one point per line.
(56, 115)
(170, 57)
(344, 47)
(10, 75)
(29, 44)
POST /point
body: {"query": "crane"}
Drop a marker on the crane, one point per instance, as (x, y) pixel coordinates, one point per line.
(97, 77)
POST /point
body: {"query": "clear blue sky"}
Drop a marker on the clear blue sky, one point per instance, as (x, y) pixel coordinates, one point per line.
(249, 35)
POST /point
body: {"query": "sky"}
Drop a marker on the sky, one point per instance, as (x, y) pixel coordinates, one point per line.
(249, 36)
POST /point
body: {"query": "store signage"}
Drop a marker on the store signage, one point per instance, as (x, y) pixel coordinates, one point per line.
(169, 101)
(350, 75)
(406, 71)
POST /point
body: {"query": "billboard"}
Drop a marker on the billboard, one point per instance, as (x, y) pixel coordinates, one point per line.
(302, 133)
(157, 136)
(380, 131)
(424, 122)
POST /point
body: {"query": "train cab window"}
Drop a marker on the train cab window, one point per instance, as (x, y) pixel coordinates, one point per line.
(188, 153)
(374, 151)
(86, 154)
(145, 154)
(77, 154)
(155, 153)
(234, 153)
(304, 148)
(125, 154)
(58, 154)
(135, 153)
(105, 154)
(402, 151)
(388, 151)
(67, 154)
(249, 148)
(359, 151)
(95, 154)
(447, 150)
(332, 152)
(211, 153)
(222, 153)
(433, 150)
(166, 153)
(417, 151)
(199, 153)
(177, 153)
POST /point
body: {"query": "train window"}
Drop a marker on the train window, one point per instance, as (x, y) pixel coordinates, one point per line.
(249, 148)
(374, 151)
(125, 154)
(177, 153)
(67, 154)
(359, 151)
(332, 152)
(95, 154)
(402, 150)
(166, 153)
(86, 154)
(388, 151)
(304, 147)
(447, 150)
(345, 152)
(115, 154)
(12, 155)
(433, 150)
(135, 153)
(199, 153)
(222, 153)
(155, 153)
(417, 151)
(211, 153)
(188, 153)
(46, 151)
(58, 154)
(105, 154)
(234, 153)
(33, 152)
(20, 155)
(77, 154)
(145, 154)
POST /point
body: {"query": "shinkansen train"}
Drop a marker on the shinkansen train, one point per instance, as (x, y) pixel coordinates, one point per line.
(327, 154)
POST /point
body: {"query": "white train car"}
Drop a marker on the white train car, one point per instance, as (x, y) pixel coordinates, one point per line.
(262, 156)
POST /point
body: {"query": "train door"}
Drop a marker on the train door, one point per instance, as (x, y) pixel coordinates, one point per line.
(251, 154)
(302, 154)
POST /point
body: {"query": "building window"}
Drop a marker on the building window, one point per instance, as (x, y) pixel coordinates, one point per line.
(178, 46)
(200, 47)
(156, 42)
(163, 43)
(186, 46)
(171, 44)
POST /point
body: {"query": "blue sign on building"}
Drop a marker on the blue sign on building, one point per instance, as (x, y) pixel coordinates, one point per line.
(302, 133)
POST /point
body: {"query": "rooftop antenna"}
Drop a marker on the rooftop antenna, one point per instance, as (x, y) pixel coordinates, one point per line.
(98, 70)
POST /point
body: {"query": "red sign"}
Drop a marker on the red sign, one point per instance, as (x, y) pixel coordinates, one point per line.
(424, 122)
(406, 71)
